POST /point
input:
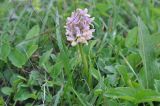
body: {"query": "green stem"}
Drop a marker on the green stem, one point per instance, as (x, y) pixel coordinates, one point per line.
(84, 60)
(85, 66)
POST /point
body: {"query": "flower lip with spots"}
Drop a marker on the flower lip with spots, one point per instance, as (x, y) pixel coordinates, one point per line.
(78, 28)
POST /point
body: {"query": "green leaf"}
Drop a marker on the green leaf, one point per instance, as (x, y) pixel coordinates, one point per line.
(30, 39)
(45, 57)
(58, 95)
(113, 79)
(34, 77)
(135, 95)
(98, 92)
(82, 100)
(33, 32)
(31, 49)
(134, 59)
(7, 90)
(156, 38)
(95, 73)
(132, 37)
(148, 55)
(17, 58)
(36, 4)
(23, 94)
(56, 69)
(4, 51)
(58, 31)
(157, 85)
(124, 73)
(114, 103)
(1, 101)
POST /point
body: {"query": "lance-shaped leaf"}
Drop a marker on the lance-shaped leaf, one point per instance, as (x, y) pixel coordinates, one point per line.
(147, 52)
(135, 95)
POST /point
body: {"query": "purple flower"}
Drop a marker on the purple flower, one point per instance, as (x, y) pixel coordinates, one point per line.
(78, 27)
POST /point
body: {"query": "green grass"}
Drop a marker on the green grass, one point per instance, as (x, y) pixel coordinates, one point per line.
(119, 67)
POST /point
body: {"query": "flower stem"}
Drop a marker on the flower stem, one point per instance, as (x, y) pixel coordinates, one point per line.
(85, 66)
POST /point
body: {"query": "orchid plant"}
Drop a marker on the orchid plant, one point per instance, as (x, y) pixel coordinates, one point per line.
(78, 32)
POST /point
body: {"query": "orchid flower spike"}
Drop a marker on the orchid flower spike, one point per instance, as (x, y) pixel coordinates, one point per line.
(78, 27)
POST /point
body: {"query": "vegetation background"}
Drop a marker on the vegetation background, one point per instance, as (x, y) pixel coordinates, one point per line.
(38, 67)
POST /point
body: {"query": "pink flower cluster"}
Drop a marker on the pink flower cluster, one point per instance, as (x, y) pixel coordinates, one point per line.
(78, 27)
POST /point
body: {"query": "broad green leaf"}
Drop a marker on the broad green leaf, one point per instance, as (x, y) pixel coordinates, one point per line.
(132, 37)
(113, 79)
(134, 59)
(135, 95)
(148, 55)
(17, 58)
(45, 57)
(27, 47)
(31, 38)
(34, 77)
(124, 73)
(7, 90)
(56, 69)
(110, 69)
(13, 79)
(95, 73)
(31, 49)
(74, 62)
(33, 32)
(4, 51)
(23, 94)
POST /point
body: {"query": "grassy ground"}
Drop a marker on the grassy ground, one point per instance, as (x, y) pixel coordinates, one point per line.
(38, 67)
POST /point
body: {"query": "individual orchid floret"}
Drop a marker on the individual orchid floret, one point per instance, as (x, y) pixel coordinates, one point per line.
(78, 27)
